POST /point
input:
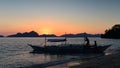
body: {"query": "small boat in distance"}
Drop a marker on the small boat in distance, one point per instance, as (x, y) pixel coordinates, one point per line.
(67, 48)
(56, 40)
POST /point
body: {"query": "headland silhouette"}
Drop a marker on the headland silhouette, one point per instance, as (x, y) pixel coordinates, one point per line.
(113, 33)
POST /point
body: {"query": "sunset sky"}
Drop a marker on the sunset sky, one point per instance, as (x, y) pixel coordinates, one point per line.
(58, 16)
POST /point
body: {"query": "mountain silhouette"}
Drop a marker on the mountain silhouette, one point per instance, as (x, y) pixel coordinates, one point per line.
(35, 34)
(26, 34)
(81, 35)
(1, 36)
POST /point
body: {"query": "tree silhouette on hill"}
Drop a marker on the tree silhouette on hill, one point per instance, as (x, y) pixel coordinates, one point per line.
(114, 32)
(25, 34)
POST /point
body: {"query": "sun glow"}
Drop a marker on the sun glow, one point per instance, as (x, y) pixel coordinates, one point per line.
(45, 31)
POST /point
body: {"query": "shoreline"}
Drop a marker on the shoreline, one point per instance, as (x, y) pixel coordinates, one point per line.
(59, 62)
(108, 61)
(52, 63)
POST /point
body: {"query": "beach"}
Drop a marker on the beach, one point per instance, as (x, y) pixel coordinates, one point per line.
(108, 61)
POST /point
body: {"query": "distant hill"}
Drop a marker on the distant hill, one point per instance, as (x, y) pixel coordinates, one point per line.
(31, 34)
(26, 34)
(81, 35)
(1, 36)
(114, 32)
(48, 35)
(35, 34)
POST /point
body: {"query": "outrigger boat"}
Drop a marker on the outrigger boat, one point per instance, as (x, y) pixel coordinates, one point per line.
(67, 48)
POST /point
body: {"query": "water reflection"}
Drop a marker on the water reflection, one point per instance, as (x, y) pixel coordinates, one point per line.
(14, 52)
(79, 58)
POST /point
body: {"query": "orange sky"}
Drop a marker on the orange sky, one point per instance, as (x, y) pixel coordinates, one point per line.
(58, 17)
(53, 26)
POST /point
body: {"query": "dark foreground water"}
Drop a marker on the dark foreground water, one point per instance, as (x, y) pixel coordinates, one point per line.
(15, 53)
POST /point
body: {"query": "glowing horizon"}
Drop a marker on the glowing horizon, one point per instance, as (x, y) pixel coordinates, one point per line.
(58, 17)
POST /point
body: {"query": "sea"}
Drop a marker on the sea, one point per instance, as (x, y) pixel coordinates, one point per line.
(15, 52)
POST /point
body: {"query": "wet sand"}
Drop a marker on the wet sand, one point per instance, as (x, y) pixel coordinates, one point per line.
(52, 63)
(108, 61)
(58, 62)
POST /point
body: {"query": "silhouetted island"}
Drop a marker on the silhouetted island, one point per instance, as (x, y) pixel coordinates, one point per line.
(114, 32)
(35, 34)
(26, 34)
(1, 36)
(81, 35)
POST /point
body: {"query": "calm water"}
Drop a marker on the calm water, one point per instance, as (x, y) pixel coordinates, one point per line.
(14, 52)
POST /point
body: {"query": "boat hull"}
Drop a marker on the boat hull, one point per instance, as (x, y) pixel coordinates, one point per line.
(69, 49)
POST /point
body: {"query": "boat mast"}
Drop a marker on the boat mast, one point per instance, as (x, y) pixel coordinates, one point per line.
(65, 39)
(45, 40)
